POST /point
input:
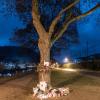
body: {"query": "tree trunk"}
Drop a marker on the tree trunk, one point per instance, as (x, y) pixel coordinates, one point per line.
(44, 47)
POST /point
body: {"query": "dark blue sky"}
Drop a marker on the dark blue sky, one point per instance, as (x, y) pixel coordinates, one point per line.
(88, 28)
(7, 25)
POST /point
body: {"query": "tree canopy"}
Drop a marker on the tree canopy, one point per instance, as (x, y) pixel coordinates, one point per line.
(48, 11)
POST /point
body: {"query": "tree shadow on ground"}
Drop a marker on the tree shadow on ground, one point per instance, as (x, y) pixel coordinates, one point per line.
(69, 81)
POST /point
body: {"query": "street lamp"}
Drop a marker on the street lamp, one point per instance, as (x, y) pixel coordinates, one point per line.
(66, 60)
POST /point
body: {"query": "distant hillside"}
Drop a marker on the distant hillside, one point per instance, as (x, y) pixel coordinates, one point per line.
(14, 53)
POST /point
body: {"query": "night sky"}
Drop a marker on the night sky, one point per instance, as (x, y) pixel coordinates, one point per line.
(88, 29)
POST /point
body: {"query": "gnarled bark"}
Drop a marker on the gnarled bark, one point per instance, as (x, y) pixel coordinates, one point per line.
(44, 47)
(43, 44)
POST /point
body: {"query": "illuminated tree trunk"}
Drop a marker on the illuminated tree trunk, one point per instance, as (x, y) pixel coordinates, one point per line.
(44, 47)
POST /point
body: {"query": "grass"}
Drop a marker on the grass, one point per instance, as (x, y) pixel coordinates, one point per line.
(63, 78)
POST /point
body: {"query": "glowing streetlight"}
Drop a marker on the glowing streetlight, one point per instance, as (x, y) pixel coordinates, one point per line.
(66, 60)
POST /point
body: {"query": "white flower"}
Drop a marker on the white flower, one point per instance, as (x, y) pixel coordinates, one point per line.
(35, 90)
(46, 63)
(42, 86)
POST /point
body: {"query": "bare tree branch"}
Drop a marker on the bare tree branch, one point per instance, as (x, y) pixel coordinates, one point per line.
(55, 21)
(65, 26)
(36, 19)
(66, 19)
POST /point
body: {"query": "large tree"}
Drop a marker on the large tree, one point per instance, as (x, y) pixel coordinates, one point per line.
(45, 41)
(24, 36)
(51, 30)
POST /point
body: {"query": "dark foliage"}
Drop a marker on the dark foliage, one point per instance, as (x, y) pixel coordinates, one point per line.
(48, 11)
